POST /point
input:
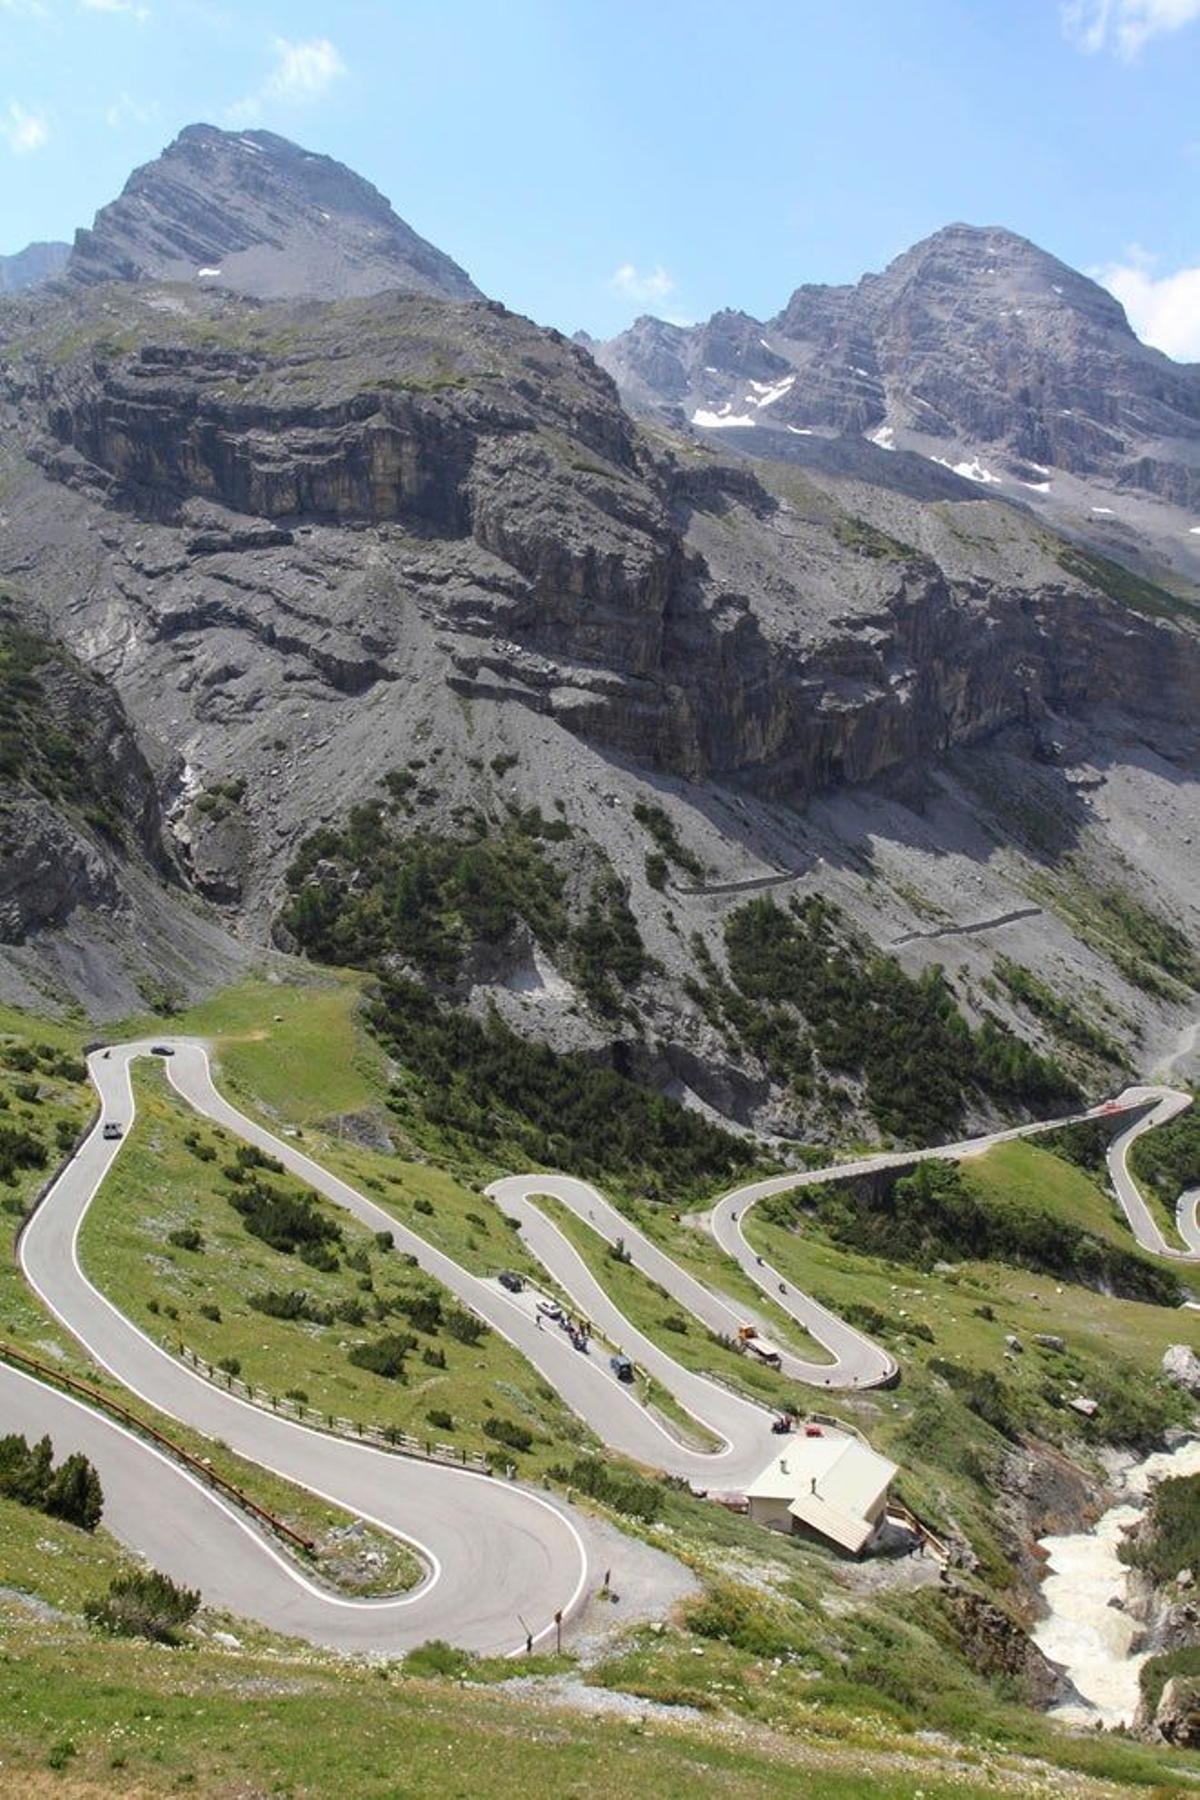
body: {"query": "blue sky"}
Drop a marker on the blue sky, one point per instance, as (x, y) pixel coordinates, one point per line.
(593, 159)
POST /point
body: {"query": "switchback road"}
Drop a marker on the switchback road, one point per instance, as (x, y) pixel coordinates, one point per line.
(499, 1559)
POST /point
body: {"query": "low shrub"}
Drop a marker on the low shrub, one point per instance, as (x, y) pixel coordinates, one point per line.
(384, 1355)
(507, 1432)
(144, 1603)
(186, 1237)
(613, 1486)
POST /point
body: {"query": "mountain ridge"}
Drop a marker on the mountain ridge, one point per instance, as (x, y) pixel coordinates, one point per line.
(256, 213)
(29, 268)
(974, 348)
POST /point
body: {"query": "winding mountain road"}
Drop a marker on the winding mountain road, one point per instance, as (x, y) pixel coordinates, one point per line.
(499, 1559)
(1163, 1104)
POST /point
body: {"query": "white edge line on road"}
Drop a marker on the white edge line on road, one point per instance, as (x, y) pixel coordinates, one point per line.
(420, 1593)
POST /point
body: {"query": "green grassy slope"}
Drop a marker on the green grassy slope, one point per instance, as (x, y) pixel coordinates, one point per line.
(802, 1679)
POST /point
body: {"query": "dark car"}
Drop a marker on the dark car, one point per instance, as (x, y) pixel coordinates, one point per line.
(161, 1050)
(621, 1367)
(112, 1129)
(510, 1280)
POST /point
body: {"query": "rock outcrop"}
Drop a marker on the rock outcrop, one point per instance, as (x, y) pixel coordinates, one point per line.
(1181, 1365)
(76, 796)
(997, 1647)
(1176, 1718)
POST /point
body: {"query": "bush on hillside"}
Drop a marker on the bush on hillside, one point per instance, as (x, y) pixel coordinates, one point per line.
(613, 1486)
(144, 1603)
(384, 1356)
(71, 1491)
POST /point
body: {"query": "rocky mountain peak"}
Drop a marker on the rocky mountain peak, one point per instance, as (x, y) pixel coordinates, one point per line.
(996, 267)
(974, 350)
(253, 212)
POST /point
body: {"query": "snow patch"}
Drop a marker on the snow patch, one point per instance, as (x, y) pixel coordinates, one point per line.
(769, 392)
(201, 273)
(1039, 487)
(1105, 511)
(713, 421)
(254, 149)
(970, 471)
(1194, 531)
(800, 430)
(885, 437)
(1056, 287)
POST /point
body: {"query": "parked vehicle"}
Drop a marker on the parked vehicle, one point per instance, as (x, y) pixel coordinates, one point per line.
(621, 1367)
(161, 1050)
(508, 1278)
(113, 1130)
(750, 1341)
(549, 1310)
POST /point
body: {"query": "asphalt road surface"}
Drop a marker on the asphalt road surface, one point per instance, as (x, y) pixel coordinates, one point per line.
(499, 1559)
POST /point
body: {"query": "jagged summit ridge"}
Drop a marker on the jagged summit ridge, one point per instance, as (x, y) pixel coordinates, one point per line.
(974, 349)
(251, 211)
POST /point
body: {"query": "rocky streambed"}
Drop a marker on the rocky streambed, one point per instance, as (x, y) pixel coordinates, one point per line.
(1096, 1619)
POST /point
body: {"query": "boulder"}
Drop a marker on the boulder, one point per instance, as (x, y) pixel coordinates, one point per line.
(1177, 1715)
(1181, 1365)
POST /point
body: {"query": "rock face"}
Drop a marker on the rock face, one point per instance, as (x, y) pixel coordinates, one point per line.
(255, 213)
(76, 796)
(974, 348)
(30, 267)
(571, 568)
(998, 1648)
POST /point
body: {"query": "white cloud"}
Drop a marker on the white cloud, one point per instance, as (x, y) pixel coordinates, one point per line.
(23, 131)
(1163, 310)
(1124, 25)
(124, 110)
(644, 286)
(303, 71)
(129, 7)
